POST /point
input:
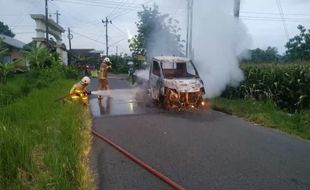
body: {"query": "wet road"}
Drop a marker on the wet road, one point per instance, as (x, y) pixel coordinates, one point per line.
(202, 150)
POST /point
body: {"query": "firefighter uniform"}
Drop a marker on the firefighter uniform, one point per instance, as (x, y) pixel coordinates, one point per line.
(103, 74)
(79, 92)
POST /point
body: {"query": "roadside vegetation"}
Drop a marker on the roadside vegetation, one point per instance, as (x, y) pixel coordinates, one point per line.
(285, 85)
(276, 89)
(43, 144)
(266, 114)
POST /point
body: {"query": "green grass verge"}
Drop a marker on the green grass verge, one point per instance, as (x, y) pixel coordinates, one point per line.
(14, 89)
(266, 114)
(45, 144)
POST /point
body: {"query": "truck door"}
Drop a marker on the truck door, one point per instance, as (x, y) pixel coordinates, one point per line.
(155, 80)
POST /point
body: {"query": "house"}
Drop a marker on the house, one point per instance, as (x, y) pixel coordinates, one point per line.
(15, 46)
(86, 56)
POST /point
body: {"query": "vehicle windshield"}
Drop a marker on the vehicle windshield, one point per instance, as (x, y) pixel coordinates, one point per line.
(178, 70)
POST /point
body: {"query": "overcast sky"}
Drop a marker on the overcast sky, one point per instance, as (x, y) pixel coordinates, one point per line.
(261, 17)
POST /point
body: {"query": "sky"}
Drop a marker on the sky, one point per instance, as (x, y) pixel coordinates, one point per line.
(264, 23)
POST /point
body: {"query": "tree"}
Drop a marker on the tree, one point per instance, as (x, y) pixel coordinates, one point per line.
(4, 29)
(157, 34)
(119, 63)
(39, 58)
(298, 47)
(264, 56)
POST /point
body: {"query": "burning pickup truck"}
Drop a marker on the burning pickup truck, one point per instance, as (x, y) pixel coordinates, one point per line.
(175, 83)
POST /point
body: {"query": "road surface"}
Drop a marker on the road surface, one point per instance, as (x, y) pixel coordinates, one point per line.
(201, 150)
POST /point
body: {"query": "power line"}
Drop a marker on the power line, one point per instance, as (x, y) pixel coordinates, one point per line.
(135, 7)
(120, 30)
(87, 37)
(277, 18)
(271, 19)
(29, 7)
(117, 8)
(120, 12)
(99, 5)
(70, 14)
(270, 13)
(114, 43)
(282, 17)
(78, 19)
(128, 11)
(115, 4)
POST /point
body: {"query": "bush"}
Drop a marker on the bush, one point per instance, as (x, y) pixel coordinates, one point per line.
(72, 72)
(45, 69)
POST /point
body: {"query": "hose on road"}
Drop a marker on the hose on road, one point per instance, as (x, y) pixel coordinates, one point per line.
(139, 162)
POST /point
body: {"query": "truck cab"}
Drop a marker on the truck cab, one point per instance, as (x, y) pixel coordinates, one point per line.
(175, 83)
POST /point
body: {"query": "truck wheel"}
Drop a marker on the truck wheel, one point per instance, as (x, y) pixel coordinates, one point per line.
(165, 102)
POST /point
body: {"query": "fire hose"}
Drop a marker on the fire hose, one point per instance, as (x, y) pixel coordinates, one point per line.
(139, 162)
(70, 94)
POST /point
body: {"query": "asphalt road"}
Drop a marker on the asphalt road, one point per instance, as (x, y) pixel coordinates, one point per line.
(201, 150)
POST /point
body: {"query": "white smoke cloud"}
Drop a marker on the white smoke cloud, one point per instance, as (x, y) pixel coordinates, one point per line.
(218, 38)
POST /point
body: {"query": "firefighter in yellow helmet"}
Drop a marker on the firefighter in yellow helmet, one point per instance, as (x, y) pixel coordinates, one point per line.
(79, 92)
(103, 74)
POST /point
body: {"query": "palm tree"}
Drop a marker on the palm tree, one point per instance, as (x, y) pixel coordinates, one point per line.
(37, 57)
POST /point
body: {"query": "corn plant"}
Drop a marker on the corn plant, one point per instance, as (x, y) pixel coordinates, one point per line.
(288, 86)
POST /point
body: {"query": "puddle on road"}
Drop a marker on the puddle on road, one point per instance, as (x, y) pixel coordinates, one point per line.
(121, 102)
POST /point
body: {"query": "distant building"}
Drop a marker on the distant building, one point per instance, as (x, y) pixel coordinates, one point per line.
(86, 56)
(15, 46)
(54, 30)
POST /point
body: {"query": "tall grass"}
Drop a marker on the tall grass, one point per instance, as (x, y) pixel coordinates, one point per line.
(13, 89)
(45, 144)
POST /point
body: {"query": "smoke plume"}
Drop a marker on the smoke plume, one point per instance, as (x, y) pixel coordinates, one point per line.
(218, 38)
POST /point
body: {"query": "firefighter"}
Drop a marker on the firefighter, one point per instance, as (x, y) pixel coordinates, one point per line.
(79, 92)
(103, 74)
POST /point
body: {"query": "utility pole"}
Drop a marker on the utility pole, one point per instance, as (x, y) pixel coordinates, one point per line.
(106, 22)
(70, 37)
(237, 8)
(189, 34)
(57, 16)
(46, 22)
(191, 29)
(117, 53)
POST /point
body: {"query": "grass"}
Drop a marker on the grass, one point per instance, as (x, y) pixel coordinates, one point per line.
(13, 90)
(266, 114)
(45, 144)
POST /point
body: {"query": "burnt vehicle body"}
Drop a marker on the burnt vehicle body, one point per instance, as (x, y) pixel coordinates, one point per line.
(175, 83)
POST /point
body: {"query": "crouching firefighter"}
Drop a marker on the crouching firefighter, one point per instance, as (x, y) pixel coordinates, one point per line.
(79, 92)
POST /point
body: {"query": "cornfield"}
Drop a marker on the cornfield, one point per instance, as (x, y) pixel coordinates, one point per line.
(287, 85)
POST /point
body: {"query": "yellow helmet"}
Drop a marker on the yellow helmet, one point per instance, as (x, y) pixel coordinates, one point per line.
(85, 81)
